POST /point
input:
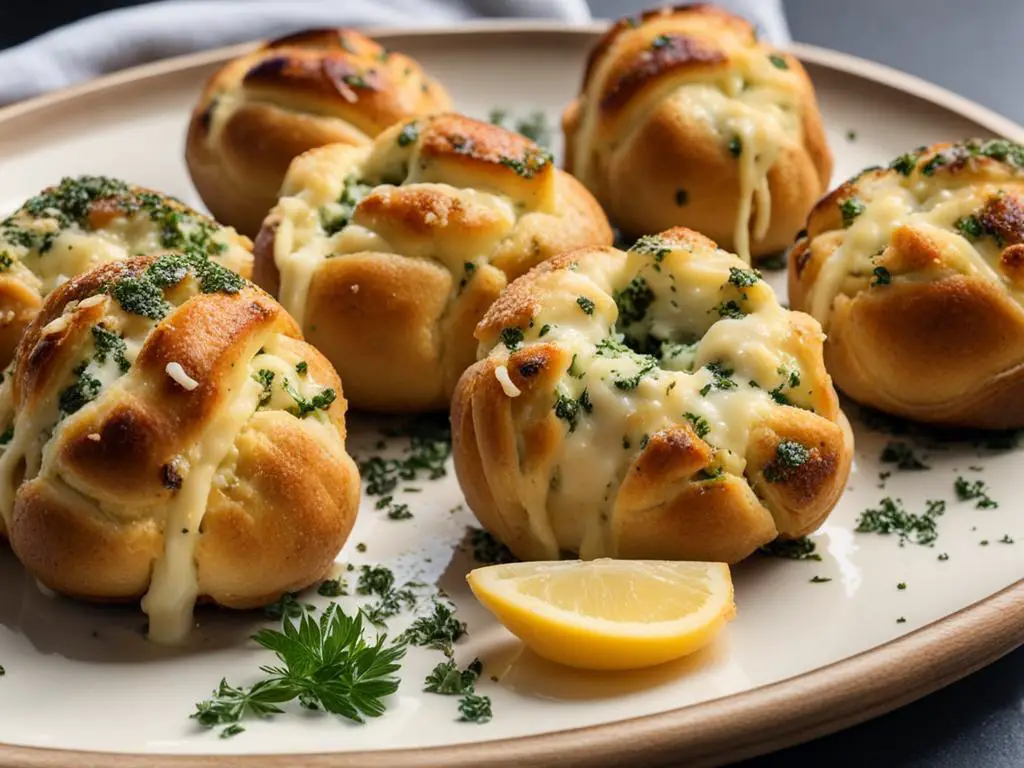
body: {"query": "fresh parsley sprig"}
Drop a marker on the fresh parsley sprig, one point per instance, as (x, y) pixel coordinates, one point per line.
(324, 664)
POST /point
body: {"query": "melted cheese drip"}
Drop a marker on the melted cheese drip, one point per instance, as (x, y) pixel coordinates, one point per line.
(889, 204)
(174, 586)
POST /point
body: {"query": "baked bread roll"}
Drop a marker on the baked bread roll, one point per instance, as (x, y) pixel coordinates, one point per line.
(685, 118)
(916, 272)
(175, 438)
(389, 255)
(261, 110)
(87, 221)
(654, 404)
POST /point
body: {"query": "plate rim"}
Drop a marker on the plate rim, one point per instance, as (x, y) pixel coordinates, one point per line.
(710, 733)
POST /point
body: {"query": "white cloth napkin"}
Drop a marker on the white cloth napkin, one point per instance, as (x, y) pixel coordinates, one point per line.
(118, 39)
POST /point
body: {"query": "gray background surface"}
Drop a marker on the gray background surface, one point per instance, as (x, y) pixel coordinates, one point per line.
(972, 47)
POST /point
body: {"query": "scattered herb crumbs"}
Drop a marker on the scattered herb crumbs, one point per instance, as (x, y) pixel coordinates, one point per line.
(789, 455)
(850, 208)
(743, 278)
(1006, 539)
(439, 630)
(511, 337)
(360, 547)
(487, 550)
(285, 606)
(968, 491)
(904, 164)
(891, 517)
(880, 276)
(544, 329)
(792, 549)
(232, 730)
(735, 146)
(325, 664)
(901, 586)
(475, 709)
(902, 455)
(425, 455)
(943, 557)
(375, 580)
(699, 423)
(851, 135)
(587, 305)
(984, 542)
(819, 579)
(331, 588)
(778, 61)
(901, 620)
(302, 368)
(446, 678)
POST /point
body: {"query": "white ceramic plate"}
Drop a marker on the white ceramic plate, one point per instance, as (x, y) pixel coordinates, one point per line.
(802, 658)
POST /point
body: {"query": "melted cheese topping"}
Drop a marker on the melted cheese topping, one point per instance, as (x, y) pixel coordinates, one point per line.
(629, 397)
(891, 202)
(174, 586)
(322, 187)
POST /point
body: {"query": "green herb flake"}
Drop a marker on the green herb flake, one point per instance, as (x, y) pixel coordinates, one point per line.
(970, 227)
(976, 491)
(265, 377)
(111, 345)
(743, 278)
(901, 586)
(735, 146)
(511, 337)
(587, 305)
(302, 368)
(789, 455)
(699, 423)
(633, 301)
(439, 630)
(331, 588)
(409, 133)
(851, 208)
(904, 164)
(778, 61)
(891, 517)
(792, 549)
(85, 389)
(820, 579)
(488, 550)
(730, 310)
(902, 455)
(880, 276)
(475, 709)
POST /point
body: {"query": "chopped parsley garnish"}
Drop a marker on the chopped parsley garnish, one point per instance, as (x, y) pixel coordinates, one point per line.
(331, 588)
(633, 301)
(792, 549)
(789, 455)
(661, 41)
(568, 409)
(880, 276)
(970, 227)
(304, 406)
(721, 378)
(140, 296)
(699, 423)
(375, 580)
(511, 337)
(904, 164)
(302, 367)
(427, 452)
(891, 517)
(533, 161)
(265, 378)
(901, 586)
(475, 709)
(335, 219)
(646, 364)
(487, 550)
(409, 133)
(286, 606)
(850, 208)
(819, 579)
(681, 197)
(439, 630)
(544, 329)
(743, 278)
(110, 344)
(325, 665)
(85, 389)
(968, 491)
(143, 294)
(446, 678)
(730, 309)
(779, 62)
(587, 305)
(1007, 539)
(651, 245)
(735, 146)
(902, 455)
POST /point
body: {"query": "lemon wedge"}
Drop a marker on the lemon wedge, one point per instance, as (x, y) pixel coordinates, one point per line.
(609, 614)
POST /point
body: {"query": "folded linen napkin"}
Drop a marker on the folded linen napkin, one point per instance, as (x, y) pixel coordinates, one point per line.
(123, 38)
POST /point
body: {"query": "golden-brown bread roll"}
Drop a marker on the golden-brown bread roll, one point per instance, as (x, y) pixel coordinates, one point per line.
(389, 255)
(174, 438)
(261, 110)
(916, 273)
(91, 220)
(685, 118)
(654, 404)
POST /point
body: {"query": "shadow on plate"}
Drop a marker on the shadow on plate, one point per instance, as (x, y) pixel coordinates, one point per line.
(104, 633)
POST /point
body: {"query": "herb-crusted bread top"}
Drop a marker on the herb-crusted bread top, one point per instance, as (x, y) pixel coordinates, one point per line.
(388, 255)
(169, 434)
(312, 88)
(87, 221)
(916, 271)
(633, 384)
(685, 118)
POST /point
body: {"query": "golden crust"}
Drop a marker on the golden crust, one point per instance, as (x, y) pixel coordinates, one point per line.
(639, 138)
(265, 108)
(89, 517)
(97, 220)
(390, 299)
(714, 485)
(925, 322)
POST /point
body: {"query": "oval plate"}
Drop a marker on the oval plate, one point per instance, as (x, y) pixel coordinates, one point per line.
(802, 658)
